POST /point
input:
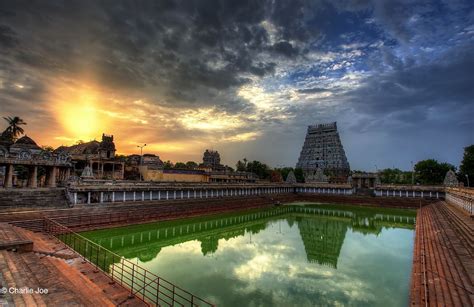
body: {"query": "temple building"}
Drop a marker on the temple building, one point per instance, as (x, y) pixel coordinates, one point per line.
(211, 164)
(39, 167)
(211, 159)
(97, 156)
(322, 157)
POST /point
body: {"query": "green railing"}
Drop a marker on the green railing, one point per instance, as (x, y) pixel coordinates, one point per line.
(142, 283)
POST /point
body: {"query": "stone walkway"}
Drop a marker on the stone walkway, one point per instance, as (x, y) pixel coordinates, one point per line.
(68, 280)
(443, 265)
(12, 240)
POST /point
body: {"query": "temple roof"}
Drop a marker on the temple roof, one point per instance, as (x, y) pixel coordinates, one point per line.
(25, 142)
(91, 147)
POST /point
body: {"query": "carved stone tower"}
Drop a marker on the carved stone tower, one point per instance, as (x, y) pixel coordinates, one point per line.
(323, 152)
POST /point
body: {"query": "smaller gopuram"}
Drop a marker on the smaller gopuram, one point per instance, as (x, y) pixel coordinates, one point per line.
(323, 153)
(450, 179)
(212, 160)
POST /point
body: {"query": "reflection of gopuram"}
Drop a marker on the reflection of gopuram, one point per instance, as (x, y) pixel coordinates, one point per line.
(323, 239)
(322, 230)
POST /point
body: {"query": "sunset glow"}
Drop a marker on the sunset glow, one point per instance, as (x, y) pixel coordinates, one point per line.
(78, 112)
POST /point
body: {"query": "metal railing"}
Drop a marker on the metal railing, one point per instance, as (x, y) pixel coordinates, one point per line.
(142, 283)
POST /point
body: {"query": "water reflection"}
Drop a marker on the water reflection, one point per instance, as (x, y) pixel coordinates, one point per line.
(295, 255)
(322, 230)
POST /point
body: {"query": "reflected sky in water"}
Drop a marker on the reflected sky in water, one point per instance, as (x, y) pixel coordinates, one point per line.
(291, 255)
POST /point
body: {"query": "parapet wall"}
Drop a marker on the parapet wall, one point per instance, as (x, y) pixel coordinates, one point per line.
(103, 192)
(463, 198)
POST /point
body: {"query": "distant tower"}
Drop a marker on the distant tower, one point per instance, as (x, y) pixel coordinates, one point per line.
(107, 147)
(323, 152)
(211, 159)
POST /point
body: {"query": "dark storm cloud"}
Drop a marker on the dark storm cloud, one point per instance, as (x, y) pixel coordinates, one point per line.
(385, 64)
(7, 37)
(188, 43)
(447, 82)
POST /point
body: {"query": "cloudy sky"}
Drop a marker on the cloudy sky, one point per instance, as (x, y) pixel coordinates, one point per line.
(244, 77)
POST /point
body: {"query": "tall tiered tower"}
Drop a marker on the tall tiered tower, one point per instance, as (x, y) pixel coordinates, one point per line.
(322, 157)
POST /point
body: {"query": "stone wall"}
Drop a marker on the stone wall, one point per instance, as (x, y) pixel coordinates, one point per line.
(463, 198)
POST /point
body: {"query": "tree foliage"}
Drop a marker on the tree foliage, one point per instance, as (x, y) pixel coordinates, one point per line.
(14, 129)
(260, 169)
(241, 166)
(191, 165)
(431, 171)
(467, 165)
(168, 164)
(395, 176)
(180, 165)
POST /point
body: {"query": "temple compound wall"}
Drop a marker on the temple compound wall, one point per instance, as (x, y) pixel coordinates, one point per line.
(99, 192)
(173, 175)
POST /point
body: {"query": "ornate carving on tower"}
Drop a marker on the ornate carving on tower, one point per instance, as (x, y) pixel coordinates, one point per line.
(323, 152)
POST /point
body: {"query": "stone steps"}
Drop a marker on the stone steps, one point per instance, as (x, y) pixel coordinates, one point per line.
(442, 266)
(31, 198)
(66, 286)
(463, 225)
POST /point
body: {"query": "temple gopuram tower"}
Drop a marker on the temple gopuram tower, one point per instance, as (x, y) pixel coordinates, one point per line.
(322, 157)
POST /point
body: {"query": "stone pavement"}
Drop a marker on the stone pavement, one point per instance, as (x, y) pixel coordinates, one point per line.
(443, 266)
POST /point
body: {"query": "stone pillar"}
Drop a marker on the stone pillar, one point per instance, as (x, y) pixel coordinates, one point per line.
(51, 178)
(113, 196)
(75, 198)
(32, 180)
(8, 176)
(88, 197)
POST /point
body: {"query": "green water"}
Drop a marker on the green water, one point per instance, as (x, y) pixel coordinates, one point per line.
(295, 255)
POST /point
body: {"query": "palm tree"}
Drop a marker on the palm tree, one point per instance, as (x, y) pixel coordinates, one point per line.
(14, 128)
